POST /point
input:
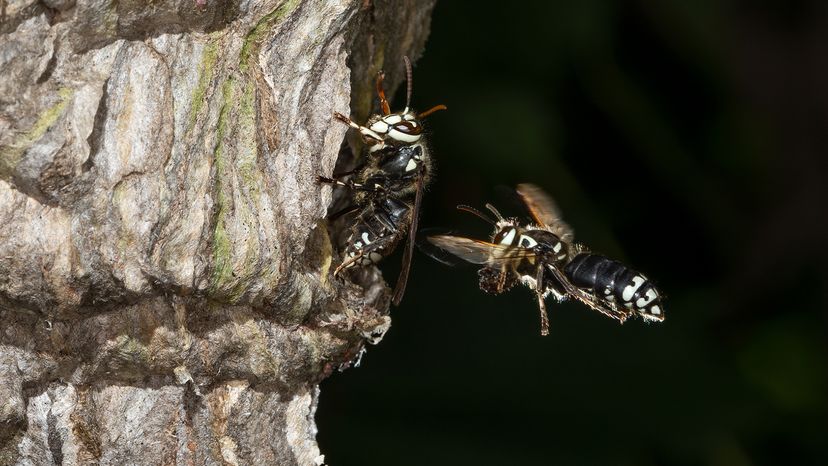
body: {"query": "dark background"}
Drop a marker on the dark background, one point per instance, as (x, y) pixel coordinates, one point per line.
(685, 138)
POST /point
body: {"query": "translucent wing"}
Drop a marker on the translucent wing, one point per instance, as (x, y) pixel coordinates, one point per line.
(433, 251)
(480, 252)
(408, 254)
(544, 210)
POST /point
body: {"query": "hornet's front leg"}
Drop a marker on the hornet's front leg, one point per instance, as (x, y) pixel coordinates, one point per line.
(370, 137)
(541, 304)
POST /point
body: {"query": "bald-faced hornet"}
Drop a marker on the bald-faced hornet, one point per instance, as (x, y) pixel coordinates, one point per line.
(543, 257)
(388, 186)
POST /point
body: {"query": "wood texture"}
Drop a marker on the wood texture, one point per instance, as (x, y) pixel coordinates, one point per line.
(165, 268)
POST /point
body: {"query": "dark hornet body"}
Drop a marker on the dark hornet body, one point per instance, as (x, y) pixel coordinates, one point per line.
(608, 282)
(544, 257)
(614, 282)
(387, 188)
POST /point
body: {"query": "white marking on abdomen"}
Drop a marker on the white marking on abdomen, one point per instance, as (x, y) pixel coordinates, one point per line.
(630, 290)
(412, 165)
(365, 238)
(650, 297)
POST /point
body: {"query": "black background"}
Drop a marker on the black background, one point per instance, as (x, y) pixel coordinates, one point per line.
(687, 139)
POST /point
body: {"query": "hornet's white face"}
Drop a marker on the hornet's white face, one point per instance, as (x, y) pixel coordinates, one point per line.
(506, 235)
(510, 235)
(401, 127)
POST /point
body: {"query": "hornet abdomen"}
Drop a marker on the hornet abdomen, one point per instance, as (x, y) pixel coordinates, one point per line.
(616, 283)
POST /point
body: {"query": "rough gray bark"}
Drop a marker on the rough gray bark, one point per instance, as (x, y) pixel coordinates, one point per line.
(165, 268)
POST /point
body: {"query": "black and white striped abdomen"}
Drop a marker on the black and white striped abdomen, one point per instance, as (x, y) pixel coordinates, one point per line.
(615, 282)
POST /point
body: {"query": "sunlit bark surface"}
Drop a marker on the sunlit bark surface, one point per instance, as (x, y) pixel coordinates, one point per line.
(165, 268)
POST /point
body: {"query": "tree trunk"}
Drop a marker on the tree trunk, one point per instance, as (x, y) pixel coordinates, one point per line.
(165, 268)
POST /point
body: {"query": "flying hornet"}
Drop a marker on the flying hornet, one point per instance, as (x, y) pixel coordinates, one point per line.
(543, 256)
(388, 186)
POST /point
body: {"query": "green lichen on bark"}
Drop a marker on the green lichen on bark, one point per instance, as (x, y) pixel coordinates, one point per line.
(11, 154)
(239, 184)
(222, 255)
(254, 38)
(247, 158)
(130, 356)
(205, 77)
